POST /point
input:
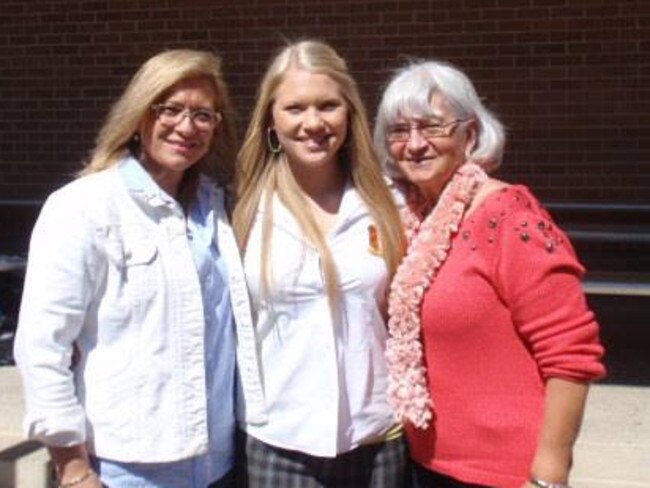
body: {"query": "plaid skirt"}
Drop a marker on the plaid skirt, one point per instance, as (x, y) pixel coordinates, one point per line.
(380, 465)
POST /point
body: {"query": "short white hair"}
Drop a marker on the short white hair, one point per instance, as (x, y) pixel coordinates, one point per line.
(408, 94)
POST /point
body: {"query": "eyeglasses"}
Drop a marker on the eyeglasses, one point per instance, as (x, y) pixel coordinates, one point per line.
(204, 119)
(402, 132)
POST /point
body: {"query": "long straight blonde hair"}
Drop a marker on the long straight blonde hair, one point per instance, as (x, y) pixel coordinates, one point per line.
(150, 84)
(262, 172)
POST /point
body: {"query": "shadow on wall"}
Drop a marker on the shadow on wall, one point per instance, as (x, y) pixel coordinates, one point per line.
(17, 217)
(11, 285)
(625, 332)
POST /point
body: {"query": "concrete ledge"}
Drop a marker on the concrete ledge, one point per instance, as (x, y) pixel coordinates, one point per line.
(594, 483)
(617, 283)
(23, 463)
(12, 408)
(613, 450)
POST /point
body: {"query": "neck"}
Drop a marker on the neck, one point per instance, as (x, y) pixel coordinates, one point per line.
(169, 181)
(431, 193)
(423, 199)
(323, 188)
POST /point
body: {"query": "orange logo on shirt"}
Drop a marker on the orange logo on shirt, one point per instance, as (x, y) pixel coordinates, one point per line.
(374, 246)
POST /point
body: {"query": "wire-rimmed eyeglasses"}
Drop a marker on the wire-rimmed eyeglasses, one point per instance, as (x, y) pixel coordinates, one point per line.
(204, 119)
(428, 130)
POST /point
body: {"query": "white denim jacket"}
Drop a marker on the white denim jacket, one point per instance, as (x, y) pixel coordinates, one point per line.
(111, 270)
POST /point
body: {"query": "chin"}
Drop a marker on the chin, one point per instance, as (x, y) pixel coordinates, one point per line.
(313, 160)
(185, 159)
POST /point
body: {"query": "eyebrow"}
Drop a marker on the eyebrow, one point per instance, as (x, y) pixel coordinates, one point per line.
(435, 114)
(419, 120)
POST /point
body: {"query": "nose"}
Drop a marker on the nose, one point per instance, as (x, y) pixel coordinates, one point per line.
(416, 141)
(313, 120)
(185, 125)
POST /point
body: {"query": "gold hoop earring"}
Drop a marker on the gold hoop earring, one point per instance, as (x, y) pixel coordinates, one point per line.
(272, 141)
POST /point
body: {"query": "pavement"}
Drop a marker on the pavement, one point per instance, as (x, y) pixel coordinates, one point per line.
(613, 450)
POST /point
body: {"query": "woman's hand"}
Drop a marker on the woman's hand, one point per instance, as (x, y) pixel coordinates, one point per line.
(89, 480)
(73, 467)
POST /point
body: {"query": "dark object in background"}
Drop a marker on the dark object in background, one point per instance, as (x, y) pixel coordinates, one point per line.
(12, 269)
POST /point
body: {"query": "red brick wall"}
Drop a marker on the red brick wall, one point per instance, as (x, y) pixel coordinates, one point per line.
(569, 78)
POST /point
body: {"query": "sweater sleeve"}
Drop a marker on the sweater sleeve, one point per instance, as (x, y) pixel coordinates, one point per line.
(539, 279)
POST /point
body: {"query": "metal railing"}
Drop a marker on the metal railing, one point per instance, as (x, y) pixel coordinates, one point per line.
(619, 224)
(21, 202)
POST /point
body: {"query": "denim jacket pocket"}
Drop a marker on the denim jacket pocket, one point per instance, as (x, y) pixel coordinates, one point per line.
(135, 275)
(126, 249)
(139, 252)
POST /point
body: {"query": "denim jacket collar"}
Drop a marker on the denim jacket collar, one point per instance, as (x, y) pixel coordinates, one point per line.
(141, 186)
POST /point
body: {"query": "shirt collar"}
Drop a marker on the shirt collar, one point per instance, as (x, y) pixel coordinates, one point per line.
(351, 204)
(352, 207)
(142, 186)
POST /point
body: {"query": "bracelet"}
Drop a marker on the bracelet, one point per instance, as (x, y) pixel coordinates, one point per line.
(546, 484)
(77, 481)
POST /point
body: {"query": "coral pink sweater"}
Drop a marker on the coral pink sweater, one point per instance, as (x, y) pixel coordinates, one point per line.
(505, 312)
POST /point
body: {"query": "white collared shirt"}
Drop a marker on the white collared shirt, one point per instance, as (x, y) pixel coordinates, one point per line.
(324, 377)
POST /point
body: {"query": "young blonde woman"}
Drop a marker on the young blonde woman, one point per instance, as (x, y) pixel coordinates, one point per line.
(126, 335)
(321, 238)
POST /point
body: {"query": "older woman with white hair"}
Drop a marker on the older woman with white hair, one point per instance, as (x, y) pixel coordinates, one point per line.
(492, 345)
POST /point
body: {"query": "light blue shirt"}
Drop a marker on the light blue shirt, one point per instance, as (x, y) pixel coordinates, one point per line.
(220, 346)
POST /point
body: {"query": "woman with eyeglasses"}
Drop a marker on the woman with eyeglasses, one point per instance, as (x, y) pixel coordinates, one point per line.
(126, 333)
(492, 345)
(321, 238)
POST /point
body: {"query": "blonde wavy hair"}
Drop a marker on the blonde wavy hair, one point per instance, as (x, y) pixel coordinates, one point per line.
(261, 172)
(150, 84)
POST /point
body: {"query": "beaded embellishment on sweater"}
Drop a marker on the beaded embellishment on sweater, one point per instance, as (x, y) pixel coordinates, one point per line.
(429, 237)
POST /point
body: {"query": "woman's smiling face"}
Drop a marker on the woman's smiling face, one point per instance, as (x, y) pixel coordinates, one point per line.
(169, 150)
(429, 162)
(310, 117)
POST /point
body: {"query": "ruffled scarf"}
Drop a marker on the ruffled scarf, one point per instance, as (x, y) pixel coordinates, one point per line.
(429, 238)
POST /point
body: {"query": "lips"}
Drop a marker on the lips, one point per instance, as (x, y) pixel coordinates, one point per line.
(418, 162)
(316, 144)
(183, 146)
